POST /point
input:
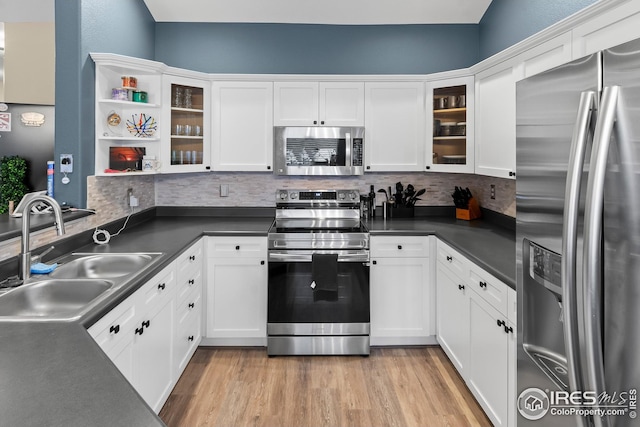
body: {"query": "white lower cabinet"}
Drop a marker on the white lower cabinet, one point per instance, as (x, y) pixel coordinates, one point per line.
(453, 317)
(143, 334)
(401, 292)
(476, 329)
(236, 298)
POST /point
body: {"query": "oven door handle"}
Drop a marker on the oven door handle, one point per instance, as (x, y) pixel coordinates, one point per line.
(306, 256)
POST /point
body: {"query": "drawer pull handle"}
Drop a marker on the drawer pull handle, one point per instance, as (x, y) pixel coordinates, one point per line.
(146, 323)
(139, 331)
(162, 286)
(461, 287)
(508, 329)
(501, 323)
(483, 285)
(190, 338)
(192, 281)
(192, 257)
(449, 258)
(399, 247)
(238, 248)
(191, 305)
(114, 329)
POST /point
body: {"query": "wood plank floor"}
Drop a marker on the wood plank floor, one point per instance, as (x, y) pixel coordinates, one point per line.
(234, 387)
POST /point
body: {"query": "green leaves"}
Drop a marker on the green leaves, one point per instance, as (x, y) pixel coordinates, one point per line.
(13, 173)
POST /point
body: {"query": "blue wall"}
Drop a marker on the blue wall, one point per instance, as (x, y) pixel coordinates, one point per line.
(83, 26)
(317, 49)
(507, 22)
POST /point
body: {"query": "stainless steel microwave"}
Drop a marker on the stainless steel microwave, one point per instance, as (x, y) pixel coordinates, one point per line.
(321, 150)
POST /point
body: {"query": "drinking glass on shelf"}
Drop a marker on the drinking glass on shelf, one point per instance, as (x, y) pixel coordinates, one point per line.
(188, 98)
(187, 130)
(178, 97)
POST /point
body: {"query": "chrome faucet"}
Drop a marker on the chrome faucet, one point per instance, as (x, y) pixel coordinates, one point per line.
(25, 253)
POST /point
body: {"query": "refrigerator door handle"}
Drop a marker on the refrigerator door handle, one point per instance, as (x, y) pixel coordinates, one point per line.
(579, 144)
(592, 262)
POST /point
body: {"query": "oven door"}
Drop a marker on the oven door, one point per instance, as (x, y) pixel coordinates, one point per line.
(300, 317)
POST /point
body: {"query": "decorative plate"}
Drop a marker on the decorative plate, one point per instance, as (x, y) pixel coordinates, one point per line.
(142, 125)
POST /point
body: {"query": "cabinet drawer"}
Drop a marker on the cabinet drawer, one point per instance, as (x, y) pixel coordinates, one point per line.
(452, 260)
(489, 288)
(109, 330)
(191, 260)
(191, 306)
(187, 338)
(399, 246)
(161, 287)
(236, 247)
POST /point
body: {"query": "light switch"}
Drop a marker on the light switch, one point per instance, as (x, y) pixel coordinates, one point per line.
(224, 190)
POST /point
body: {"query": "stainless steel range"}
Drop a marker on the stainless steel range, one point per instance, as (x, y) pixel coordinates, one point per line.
(318, 291)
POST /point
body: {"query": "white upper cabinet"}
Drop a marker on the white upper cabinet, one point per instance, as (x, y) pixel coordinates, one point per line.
(126, 130)
(609, 28)
(242, 126)
(543, 57)
(318, 103)
(341, 104)
(496, 123)
(450, 127)
(394, 126)
(186, 142)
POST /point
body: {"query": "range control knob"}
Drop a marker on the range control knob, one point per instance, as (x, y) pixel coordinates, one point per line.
(353, 195)
(293, 196)
(283, 195)
(341, 196)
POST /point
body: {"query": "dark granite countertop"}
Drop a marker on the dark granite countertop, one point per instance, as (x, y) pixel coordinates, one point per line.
(54, 374)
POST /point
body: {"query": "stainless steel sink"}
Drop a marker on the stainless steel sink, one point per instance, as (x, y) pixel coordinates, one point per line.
(52, 298)
(102, 266)
(79, 284)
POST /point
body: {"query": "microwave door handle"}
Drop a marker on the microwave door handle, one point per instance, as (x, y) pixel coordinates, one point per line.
(592, 256)
(348, 149)
(579, 143)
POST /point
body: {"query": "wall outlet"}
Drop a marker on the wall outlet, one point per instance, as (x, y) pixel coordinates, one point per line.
(493, 191)
(66, 163)
(224, 190)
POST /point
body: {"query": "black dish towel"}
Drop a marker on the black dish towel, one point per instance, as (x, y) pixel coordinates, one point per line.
(324, 272)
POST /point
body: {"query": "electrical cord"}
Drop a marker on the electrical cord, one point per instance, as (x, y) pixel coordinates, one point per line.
(102, 237)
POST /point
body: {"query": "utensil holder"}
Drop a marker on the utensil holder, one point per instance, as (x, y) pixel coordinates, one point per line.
(400, 211)
(472, 212)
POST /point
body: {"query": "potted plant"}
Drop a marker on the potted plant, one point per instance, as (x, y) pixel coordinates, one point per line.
(13, 172)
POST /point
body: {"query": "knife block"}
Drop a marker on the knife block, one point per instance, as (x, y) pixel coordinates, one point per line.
(472, 212)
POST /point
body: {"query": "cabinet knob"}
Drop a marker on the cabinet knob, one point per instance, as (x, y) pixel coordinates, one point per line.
(483, 285)
(262, 262)
(114, 329)
(461, 287)
(449, 258)
(315, 122)
(368, 167)
(190, 338)
(427, 167)
(192, 281)
(268, 168)
(162, 286)
(374, 262)
(322, 122)
(237, 248)
(207, 167)
(191, 305)
(512, 174)
(399, 247)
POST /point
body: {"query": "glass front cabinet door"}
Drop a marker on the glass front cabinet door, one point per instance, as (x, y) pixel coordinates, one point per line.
(186, 142)
(450, 125)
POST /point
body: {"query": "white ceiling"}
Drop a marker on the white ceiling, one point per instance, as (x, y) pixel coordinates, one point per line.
(339, 12)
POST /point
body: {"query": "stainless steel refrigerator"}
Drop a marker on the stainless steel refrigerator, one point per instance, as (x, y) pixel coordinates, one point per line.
(578, 242)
